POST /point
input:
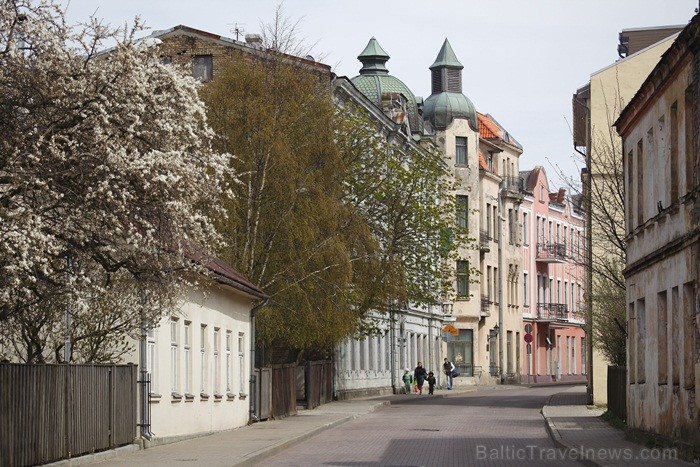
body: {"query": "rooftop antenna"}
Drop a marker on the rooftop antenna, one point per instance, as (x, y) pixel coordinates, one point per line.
(238, 29)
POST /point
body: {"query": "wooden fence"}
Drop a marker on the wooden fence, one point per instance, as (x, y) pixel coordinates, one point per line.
(284, 401)
(318, 383)
(617, 391)
(53, 412)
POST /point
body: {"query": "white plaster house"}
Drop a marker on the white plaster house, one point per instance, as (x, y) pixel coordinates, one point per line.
(660, 128)
(199, 358)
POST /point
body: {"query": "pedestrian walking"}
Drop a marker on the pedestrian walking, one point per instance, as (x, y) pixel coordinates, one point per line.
(407, 380)
(448, 368)
(431, 383)
(420, 375)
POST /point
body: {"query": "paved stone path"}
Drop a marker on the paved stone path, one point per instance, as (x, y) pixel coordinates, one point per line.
(487, 427)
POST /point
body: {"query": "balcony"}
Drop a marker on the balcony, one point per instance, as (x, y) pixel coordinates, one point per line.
(551, 252)
(515, 187)
(484, 241)
(485, 306)
(552, 312)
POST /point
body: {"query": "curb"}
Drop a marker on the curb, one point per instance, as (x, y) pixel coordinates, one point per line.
(553, 432)
(89, 459)
(270, 451)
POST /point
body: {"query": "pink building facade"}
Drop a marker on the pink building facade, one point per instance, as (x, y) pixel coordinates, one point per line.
(553, 278)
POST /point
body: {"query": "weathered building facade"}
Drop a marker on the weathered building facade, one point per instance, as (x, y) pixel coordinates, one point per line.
(595, 108)
(660, 131)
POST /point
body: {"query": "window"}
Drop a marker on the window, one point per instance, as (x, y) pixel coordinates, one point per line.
(489, 161)
(526, 290)
(370, 352)
(509, 352)
(363, 354)
(489, 292)
(462, 279)
(173, 355)
(496, 286)
(584, 354)
(202, 67)
(217, 362)
(673, 149)
(641, 341)
(462, 211)
(461, 151)
(188, 357)
(640, 182)
(229, 363)
(526, 228)
(689, 117)
(151, 357)
(203, 359)
(241, 363)
(488, 220)
(662, 336)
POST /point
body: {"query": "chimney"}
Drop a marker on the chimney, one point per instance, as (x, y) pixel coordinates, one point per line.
(254, 40)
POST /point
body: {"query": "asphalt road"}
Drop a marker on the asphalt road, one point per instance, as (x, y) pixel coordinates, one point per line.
(496, 426)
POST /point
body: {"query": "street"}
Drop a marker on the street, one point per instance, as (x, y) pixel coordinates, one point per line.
(494, 426)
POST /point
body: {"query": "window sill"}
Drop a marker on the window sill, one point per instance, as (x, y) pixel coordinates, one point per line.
(189, 397)
(154, 398)
(204, 396)
(218, 397)
(242, 396)
(176, 396)
(230, 396)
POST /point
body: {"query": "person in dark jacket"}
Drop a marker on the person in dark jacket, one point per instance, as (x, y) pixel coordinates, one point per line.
(431, 383)
(419, 376)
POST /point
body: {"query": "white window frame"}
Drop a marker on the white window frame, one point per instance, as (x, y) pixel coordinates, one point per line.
(174, 356)
(203, 358)
(241, 362)
(217, 361)
(229, 363)
(186, 346)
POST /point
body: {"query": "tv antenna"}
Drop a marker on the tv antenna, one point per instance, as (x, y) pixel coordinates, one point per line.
(238, 29)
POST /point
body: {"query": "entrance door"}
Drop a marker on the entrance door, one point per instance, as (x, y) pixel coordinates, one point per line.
(460, 352)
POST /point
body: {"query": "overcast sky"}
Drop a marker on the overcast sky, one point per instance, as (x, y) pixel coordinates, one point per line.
(523, 59)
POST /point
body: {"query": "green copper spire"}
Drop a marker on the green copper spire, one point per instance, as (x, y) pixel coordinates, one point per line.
(446, 58)
(373, 59)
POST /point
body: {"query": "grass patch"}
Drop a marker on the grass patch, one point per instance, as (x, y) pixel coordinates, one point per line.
(613, 420)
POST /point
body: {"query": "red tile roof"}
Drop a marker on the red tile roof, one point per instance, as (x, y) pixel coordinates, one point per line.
(487, 128)
(482, 159)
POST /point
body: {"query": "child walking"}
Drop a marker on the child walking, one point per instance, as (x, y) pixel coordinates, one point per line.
(431, 382)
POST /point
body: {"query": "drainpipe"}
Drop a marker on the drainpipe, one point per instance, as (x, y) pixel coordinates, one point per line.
(502, 328)
(145, 377)
(253, 383)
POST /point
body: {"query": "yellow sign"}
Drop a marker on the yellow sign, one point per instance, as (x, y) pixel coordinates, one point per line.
(451, 329)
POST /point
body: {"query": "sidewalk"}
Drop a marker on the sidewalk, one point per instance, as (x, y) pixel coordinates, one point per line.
(591, 440)
(251, 444)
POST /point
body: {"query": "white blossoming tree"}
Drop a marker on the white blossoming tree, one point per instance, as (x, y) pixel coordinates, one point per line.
(105, 160)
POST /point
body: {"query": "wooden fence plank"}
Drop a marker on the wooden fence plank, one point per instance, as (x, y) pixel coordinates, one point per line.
(51, 412)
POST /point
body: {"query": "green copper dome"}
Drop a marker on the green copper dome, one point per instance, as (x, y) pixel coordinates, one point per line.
(374, 80)
(447, 101)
